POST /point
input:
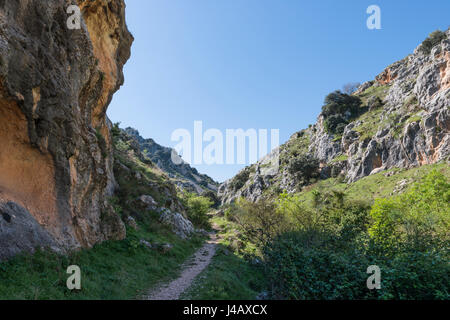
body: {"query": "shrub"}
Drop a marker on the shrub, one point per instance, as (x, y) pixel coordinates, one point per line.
(339, 108)
(419, 218)
(433, 39)
(296, 271)
(240, 179)
(330, 242)
(260, 222)
(304, 167)
(211, 195)
(197, 208)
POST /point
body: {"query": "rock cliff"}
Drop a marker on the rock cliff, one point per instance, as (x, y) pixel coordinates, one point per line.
(400, 119)
(55, 87)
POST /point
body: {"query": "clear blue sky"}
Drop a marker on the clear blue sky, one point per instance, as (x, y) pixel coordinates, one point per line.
(263, 64)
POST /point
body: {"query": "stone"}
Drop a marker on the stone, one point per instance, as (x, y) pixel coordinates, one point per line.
(148, 202)
(56, 85)
(132, 223)
(179, 225)
(20, 232)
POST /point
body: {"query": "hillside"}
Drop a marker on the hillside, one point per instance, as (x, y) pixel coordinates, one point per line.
(183, 175)
(399, 120)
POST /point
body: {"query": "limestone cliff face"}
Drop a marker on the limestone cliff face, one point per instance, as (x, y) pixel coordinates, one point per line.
(404, 121)
(55, 87)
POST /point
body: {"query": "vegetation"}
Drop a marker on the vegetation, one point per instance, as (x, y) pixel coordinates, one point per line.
(318, 244)
(350, 87)
(339, 108)
(197, 208)
(240, 179)
(114, 269)
(111, 270)
(304, 168)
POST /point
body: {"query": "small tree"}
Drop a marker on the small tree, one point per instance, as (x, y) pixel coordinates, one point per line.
(197, 209)
(350, 87)
(433, 39)
(304, 167)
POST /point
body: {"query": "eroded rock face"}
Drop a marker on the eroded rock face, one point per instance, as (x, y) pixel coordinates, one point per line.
(55, 86)
(405, 123)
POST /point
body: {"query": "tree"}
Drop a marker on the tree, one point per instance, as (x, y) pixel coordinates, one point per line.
(304, 167)
(350, 87)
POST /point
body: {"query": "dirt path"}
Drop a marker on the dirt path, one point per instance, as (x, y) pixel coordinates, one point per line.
(195, 265)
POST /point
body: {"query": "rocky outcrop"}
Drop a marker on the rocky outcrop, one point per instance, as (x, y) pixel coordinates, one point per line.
(179, 225)
(19, 231)
(404, 121)
(55, 86)
(182, 174)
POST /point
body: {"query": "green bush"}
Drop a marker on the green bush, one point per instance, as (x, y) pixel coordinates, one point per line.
(419, 218)
(297, 271)
(240, 179)
(339, 108)
(260, 221)
(328, 245)
(197, 209)
(304, 168)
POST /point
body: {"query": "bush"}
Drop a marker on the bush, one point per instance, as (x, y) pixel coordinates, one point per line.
(211, 195)
(240, 179)
(197, 208)
(339, 108)
(433, 39)
(419, 218)
(325, 251)
(260, 222)
(296, 271)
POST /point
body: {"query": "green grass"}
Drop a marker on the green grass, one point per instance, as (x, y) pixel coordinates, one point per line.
(111, 270)
(342, 157)
(370, 123)
(378, 91)
(374, 186)
(231, 274)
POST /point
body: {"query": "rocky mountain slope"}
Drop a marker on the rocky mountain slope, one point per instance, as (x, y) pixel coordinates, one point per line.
(183, 175)
(56, 170)
(400, 119)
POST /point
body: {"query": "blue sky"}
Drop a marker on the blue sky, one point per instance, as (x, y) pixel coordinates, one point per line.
(263, 64)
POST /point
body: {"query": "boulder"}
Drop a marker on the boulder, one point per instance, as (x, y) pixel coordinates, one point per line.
(180, 225)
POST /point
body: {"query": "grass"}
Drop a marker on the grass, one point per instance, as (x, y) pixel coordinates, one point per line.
(231, 274)
(342, 157)
(375, 186)
(111, 270)
(380, 91)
